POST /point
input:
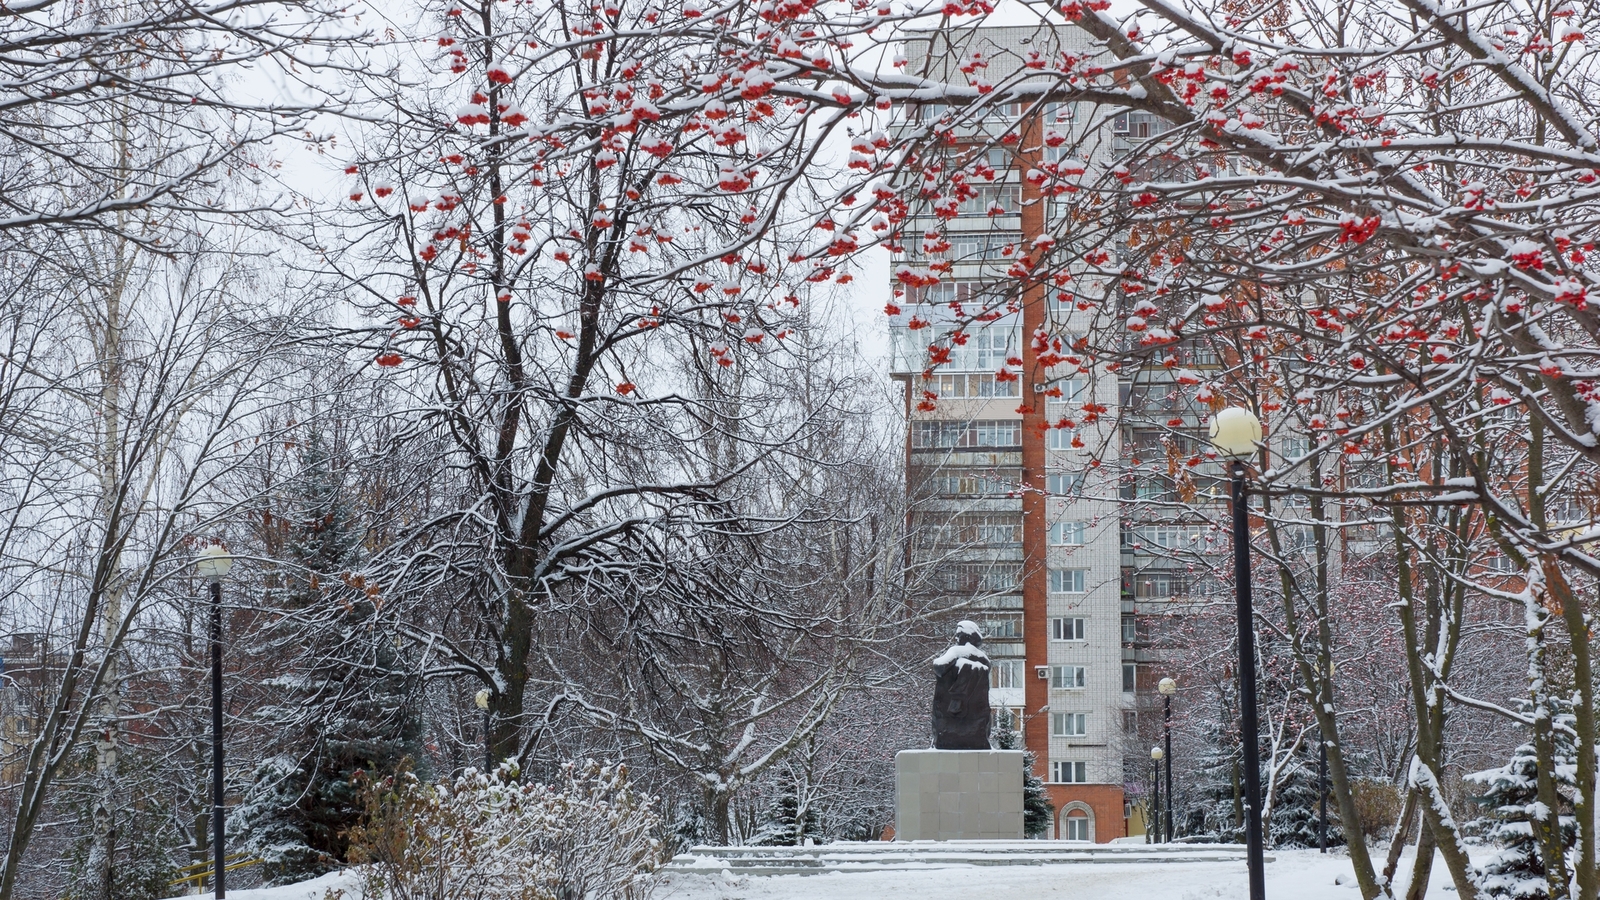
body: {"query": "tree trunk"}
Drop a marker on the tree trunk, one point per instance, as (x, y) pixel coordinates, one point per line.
(1583, 808)
(1402, 836)
(1421, 867)
(103, 815)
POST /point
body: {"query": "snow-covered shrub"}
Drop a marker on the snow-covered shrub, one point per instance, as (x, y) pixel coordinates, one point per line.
(487, 836)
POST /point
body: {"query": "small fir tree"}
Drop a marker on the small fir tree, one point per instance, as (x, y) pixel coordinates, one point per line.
(1297, 807)
(1037, 810)
(1220, 791)
(1510, 800)
(785, 826)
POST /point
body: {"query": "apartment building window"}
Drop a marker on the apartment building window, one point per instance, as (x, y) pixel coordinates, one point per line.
(1293, 447)
(972, 578)
(957, 483)
(1130, 678)
(1068, 581)
(1130, 629)
(1170, 537)
(1073, 391)
(989, 529)
(1159, 585)
(986, 349)
(979, 385)
(1074, 725)
(1130, 721)
(1067, 629)
(1005, 196)
(1202, 354)
(1502, 564)
(1005, 673)
(993, 245)
(1067, 771)
(1068, 678)
(1068, 534)
(1064, 484)
(945, 435)
(1137, 125)
(1002, 627)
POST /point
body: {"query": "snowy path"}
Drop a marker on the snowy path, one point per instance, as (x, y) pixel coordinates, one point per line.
(1294, 875)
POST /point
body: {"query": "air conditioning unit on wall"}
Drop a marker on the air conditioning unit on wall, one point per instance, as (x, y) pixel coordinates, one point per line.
(1041, 671)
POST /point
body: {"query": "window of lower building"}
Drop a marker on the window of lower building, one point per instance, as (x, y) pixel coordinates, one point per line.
(1005, 673)
(1068, 629)
(1159, 585)
(1067, 534)
(1064, 484)
(1076, 827)
(1068, 581)
(1130, 678)
(1070, 724)
(1002, 626)
(1067, 771)
(1069, 678)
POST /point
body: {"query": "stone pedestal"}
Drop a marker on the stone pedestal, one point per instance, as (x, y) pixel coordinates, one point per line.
(951, 795)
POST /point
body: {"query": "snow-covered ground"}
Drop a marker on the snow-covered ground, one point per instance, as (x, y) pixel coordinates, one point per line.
(315, 889)
(1293, 875)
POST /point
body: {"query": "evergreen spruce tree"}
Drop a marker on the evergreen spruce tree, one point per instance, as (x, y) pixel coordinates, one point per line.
(1510, 799)
(350, 706)
(689, 826)
(784, 825)
(1037, 810)
(1220, 791)
(1296, 808)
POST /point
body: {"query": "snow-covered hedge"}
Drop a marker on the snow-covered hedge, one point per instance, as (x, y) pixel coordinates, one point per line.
(487, 836)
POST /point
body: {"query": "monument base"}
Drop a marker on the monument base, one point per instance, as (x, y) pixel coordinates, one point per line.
(958, 795)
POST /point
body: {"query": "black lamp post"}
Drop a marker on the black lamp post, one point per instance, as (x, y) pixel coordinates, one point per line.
(1167, 687)
(1155, 793)
(213, 562)
(1322, 793)
(1236, 432)
(482, 701)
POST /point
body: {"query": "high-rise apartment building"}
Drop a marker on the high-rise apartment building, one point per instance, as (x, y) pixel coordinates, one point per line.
(1057, 540)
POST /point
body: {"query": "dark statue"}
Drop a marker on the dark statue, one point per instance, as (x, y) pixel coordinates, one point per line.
(961, 693)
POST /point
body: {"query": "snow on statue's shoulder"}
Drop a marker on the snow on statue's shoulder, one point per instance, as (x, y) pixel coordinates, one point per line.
(963, 655)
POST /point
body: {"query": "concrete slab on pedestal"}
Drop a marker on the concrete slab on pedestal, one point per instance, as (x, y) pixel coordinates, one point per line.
(954, 795)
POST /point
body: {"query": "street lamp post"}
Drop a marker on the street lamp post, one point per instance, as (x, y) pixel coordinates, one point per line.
(1236, 432)
(213, 562)
(1155, 794)
(482, 700)
(1322, 779)
(1167, 687)
(1322, 793)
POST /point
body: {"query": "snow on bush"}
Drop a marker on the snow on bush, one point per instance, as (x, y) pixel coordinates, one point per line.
(487, 836)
